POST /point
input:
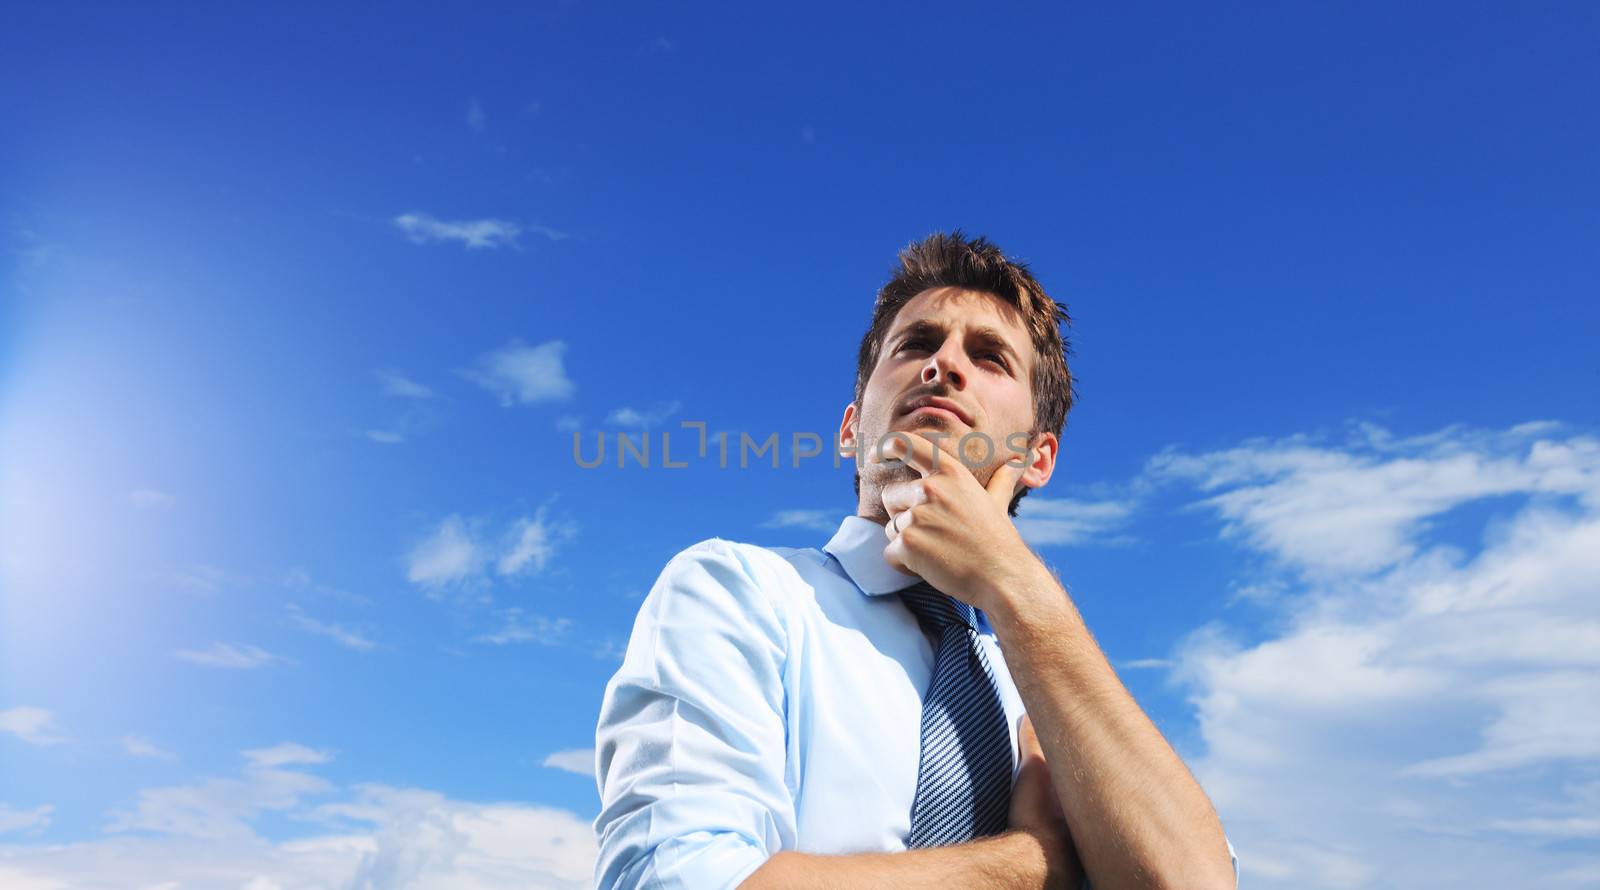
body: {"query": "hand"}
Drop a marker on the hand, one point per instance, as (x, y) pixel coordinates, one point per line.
(948, 528)
(1036, 809)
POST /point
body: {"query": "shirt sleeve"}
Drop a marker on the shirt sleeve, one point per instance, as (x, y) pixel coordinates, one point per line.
(691, 744)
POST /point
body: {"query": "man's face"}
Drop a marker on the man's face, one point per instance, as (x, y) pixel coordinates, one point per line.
(966, 350)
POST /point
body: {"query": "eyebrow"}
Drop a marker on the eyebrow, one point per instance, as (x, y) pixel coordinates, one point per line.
(927, 327)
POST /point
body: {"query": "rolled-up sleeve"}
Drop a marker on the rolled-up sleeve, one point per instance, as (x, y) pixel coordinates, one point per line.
(691, 741)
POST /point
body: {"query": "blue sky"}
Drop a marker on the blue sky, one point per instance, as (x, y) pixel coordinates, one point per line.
(300, 585)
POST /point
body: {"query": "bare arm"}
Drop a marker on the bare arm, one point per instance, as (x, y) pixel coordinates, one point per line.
(1015, 859)
(1139, 819)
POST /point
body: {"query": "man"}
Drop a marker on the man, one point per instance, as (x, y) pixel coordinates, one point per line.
(918, 702)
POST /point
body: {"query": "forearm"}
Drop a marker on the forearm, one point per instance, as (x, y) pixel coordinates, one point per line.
(1138, 817)
(1015, 859)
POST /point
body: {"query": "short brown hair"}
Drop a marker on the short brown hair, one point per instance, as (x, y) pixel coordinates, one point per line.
(953, 260)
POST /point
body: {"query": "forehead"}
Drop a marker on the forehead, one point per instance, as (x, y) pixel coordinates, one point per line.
(953, 307)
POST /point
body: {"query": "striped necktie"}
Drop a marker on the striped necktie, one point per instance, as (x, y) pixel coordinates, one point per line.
(964, 775)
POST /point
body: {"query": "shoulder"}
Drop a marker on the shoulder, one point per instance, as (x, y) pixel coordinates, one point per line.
(749, 576)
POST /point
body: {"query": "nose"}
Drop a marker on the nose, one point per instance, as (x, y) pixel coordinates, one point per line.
(945, 363)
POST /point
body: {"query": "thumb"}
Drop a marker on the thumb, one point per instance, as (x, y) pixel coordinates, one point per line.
(1027, 741)
(1003, 482)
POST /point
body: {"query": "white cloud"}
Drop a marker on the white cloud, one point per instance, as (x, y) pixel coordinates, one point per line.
(1046, 521)
(339, 634)
(521, 375)
(532, 543)
(816, 520)
(150, 498)
(386, 437)
(221, 809)
(1141, 664)
(136, 746)
(449, 556)
(421, 228)
(1422, 711)
(30, 724)
(397, 384)
(568, 422)
(285, 754)
(546, 231)
(229, 655)
(15, 820)
(1334, 511)
(301, 580)
(369, 836)
(475, 116)
(644, 418)
(198, 578)
(575, 760)
(457, 553)
(527, 629)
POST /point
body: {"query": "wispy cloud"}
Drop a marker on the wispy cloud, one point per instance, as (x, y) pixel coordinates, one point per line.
(575, 760)
(448, 556)
(25, 821)
(386, 437)
(520, 628)
(150, 498)
(643, 418)
(816, 520)
(339, 634)
(475, 234)
(365, 835)
(522, 375)
(532, 542)
(221, 809)
(32, 725)
(286, 754)
(230, 655)
(301, 580)
(460, 552)
(136, 746)
(1359, 509)
(1044, 521)
(1455, 679)
(395, 383)
(476, 119)
(197, 578)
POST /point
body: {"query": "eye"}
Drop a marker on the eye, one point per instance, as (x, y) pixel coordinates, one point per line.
(912, 342)
(998, 358)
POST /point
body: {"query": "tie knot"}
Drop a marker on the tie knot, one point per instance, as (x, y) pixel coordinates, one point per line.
(936, 610)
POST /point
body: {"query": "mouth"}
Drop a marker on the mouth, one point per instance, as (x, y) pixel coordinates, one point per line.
(937, 407)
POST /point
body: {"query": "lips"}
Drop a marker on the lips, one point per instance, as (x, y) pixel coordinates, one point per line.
(937, 402)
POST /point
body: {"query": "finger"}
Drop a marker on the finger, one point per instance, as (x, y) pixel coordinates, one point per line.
(897, 524)
(1003, 483)
(920, 453)
(901, 496)
(894, 555)
(1028, 740)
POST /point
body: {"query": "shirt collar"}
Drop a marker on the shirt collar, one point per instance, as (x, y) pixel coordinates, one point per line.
(858, 546)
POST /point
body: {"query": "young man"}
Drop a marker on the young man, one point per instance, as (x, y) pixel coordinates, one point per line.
(918, 702)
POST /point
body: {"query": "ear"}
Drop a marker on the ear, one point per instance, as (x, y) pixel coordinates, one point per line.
(847, 428)
(1046, 447)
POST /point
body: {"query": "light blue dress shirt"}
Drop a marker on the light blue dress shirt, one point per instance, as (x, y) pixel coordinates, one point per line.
(770, 699)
